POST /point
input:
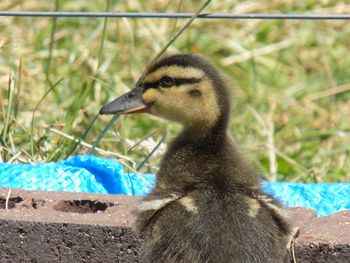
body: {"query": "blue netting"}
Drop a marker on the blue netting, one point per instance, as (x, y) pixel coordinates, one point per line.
(98, 175)
(82, 173)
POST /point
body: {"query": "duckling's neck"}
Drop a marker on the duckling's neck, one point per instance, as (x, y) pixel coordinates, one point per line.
(202, 136)
(203, 159)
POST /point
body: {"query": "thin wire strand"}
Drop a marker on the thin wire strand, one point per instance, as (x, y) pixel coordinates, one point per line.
(177, 15)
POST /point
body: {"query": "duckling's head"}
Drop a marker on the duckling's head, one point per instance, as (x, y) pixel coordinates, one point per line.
(184, 88)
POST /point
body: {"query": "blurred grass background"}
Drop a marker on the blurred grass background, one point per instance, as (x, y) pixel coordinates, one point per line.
(291, 82)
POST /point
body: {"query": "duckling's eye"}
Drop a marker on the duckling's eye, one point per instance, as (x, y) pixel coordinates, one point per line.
(195, 93)
(167, 81)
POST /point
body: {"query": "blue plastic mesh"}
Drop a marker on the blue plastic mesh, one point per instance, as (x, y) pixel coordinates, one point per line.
(88, 173)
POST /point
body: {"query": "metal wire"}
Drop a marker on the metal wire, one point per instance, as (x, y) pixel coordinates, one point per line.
(178, 15)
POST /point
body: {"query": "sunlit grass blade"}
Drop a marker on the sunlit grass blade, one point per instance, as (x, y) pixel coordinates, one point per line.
(18, 92)
(176, 36)
(83, 136)
(109, 125)
(52, 36)
(152, 152)
(11, 88)
(75, 107)
(2, 142)
(146, 137)
(99, 61)
(33, 114)
(103, 37)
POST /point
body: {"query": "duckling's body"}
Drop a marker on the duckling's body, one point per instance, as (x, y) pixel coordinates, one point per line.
(209, 216)
(207, 205)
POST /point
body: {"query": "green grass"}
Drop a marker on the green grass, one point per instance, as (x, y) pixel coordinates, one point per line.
(291, 83)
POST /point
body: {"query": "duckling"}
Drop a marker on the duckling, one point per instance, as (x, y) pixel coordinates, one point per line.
(207, 204)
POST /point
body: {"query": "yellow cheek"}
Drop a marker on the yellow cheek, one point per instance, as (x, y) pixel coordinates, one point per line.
(175, 104)
(167, 104)
(150, 96)
(204, 109)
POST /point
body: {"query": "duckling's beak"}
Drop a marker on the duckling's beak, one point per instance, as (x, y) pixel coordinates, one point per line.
(130, 102)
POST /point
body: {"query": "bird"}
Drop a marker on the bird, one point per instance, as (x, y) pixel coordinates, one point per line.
(207, 204)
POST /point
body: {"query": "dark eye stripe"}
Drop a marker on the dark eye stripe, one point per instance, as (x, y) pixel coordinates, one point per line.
(181, 81)
(178, 82)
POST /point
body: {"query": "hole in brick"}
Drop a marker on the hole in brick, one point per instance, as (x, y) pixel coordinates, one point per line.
(82, 206)
(33, 203)
(12, 201)
(22, 233)
(36, 203)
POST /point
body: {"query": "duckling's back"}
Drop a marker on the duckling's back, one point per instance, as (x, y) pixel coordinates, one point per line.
(221, 217)
(208, 226)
